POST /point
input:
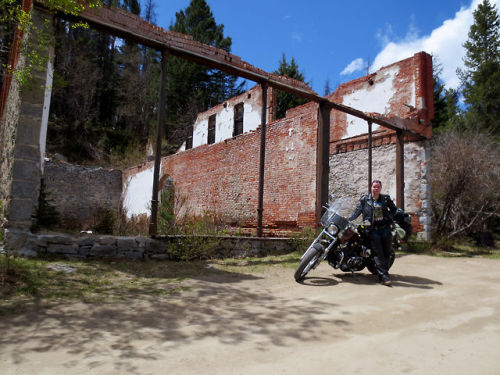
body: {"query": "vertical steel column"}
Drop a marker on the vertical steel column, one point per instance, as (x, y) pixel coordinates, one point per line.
(400, 170)
(322, 158)
(369, 156)
(153, 224)
(260, 207)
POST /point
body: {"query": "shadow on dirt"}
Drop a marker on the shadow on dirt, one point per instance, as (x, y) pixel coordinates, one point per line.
(318, 281)
(231, 312)
(405, 281)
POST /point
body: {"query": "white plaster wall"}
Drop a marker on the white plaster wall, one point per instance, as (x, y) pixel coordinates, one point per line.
(137, 193)
(224, 123)
(251, 117)
(375, 98)
(200, 133)
(46, 106)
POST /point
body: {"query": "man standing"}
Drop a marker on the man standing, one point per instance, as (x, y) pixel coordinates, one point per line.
(379, 210)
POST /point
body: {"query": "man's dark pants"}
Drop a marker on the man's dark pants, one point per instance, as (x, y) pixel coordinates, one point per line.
(381, 242)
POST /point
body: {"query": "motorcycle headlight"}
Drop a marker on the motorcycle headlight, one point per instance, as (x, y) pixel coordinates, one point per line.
(333, 229)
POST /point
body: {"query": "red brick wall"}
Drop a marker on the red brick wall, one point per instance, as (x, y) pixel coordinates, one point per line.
(224, 177)
(410, 104)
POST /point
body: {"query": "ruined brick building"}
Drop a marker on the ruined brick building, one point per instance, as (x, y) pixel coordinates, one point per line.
(217, 167)
(319, 147)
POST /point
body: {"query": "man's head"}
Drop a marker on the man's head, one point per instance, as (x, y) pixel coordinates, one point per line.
(376, 188)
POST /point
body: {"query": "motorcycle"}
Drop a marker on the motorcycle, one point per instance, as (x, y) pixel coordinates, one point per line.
(345, 244)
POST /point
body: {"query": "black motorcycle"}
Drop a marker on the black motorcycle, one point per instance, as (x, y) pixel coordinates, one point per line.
(345, 244)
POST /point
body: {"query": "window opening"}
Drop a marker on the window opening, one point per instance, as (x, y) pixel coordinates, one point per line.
(189, 137)
(211, 129)
(238, 119)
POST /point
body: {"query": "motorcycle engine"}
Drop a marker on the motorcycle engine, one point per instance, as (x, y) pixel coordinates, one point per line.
(353, 261)
(353, 264)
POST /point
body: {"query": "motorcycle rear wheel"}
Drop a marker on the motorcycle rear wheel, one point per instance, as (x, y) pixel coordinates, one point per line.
(371, 264)
(308, 261)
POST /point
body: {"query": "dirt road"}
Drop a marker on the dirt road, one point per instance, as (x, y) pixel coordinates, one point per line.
(442, 316)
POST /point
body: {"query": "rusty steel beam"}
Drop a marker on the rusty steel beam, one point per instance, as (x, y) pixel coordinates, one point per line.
(370, 157)
(153, 224)
(110, 20)
(400, 170)
(260, 208)
(322, 158)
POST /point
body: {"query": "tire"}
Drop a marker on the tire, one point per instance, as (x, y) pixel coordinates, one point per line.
(371, 264)
(308, 261)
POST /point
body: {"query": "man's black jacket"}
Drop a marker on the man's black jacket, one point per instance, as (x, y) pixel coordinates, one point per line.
(365, 207)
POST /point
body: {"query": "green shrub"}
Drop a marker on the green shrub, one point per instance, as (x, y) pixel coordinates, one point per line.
(105, 221)
(46, 213)
(301, 240)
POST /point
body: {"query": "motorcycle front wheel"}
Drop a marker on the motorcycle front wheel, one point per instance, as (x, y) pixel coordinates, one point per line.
(308, 261)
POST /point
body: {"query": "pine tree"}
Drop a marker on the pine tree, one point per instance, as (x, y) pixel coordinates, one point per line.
(447, 114)
(481, 76)
(191, 87)
(286, 100)
(327, 89)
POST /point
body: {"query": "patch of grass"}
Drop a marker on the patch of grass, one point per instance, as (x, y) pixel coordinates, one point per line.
(257, 265)
(51, 281)
(463, 247)
(29, 280)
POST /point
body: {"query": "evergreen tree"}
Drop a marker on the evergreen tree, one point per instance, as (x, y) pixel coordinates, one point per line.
(481, 76)
(286, 100)
(447, 114)
(191, 87)
(328, 89)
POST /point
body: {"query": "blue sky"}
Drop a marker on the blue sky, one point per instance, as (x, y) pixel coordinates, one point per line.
(339, 40)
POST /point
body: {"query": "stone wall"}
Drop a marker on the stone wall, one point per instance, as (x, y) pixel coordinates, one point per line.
(348, 178)
(22, 136)
(142, 248)
(80, 193)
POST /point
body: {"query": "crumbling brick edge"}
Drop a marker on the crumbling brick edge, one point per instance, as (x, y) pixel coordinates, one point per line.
(89, 246)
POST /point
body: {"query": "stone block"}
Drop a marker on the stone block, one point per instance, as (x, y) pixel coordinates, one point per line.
(61, 239)
(27, 252)
(21, 210)
(84, 251)
(126, 244)
(103, 251)
(62, 249)
(28, 131)
(27, 152)
(106, 240)
(14, 239)
(26, 170)
(143, 242)
(25, 189)
(86, 241)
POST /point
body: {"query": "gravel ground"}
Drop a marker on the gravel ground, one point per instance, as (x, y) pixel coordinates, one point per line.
(442, 316)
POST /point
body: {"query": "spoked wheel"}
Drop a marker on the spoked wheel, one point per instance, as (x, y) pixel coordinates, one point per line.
(371, 264)
(308, 261)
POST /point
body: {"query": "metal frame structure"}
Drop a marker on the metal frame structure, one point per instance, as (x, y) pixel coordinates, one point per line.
(123, 24)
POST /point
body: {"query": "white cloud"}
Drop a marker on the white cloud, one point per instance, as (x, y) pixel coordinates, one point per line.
(444, 43)
(354, 66)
